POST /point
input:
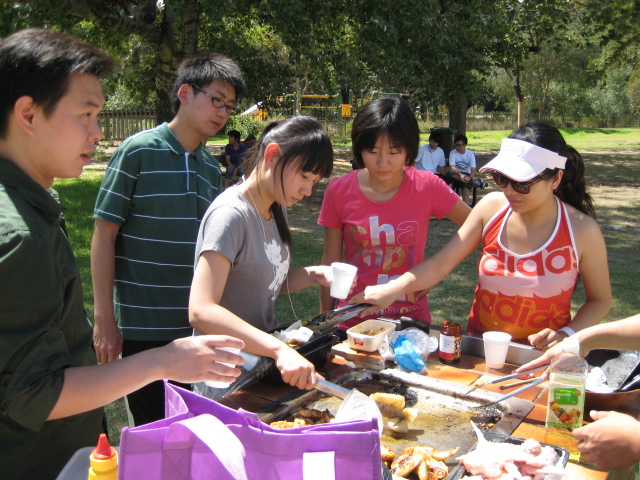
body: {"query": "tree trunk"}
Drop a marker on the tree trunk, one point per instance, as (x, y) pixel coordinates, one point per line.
(170, 28)
(458, 106)
(521, 111)
(344, 94)
(514, 75)
(178, 40)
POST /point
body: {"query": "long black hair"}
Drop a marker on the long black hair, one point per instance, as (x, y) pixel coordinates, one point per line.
(573, 186)
(303, 143)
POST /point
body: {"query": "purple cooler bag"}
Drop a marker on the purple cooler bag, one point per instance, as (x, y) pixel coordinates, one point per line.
(201, 439)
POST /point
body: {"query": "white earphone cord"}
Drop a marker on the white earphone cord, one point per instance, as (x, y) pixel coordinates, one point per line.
(264, 233)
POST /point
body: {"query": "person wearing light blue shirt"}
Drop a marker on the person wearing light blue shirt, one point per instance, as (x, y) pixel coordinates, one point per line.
(431, 156)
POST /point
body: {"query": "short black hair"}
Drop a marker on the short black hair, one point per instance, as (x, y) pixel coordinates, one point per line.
(390, 115)
(234, 133)
(436, 137)
(460, 138)
(202, 69)
(38, 63)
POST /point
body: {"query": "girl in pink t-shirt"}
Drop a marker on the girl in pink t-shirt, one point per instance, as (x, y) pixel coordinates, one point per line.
(538, 235)
(377, 217)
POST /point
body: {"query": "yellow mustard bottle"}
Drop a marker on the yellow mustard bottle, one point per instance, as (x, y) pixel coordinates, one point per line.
(103, 461)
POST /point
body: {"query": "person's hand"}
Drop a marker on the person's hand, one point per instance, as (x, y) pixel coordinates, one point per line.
(322, 275)
(196, 359)
(107, 340)
(547, 338)
(466, 178)
(379, 296)
(296, 370)
(422, 294)
(545, 359)
(611, 441)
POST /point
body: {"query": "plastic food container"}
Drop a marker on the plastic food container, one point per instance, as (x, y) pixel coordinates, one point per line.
(369, 335)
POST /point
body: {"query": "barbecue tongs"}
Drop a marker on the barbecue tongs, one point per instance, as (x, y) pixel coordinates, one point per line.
(320, 324)
(329, 319)
(508, 377)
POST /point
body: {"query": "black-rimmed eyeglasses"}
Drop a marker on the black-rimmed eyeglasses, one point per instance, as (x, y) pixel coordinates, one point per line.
(215, 101)
(521, 187)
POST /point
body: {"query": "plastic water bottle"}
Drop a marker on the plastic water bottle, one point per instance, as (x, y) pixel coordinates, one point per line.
(565, 405)
(103, 462)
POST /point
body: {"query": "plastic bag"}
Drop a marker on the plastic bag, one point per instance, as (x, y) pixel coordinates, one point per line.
(412, 347)
(295, 334)
(358, 406)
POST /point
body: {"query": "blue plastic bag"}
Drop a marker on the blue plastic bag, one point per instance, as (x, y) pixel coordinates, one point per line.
(406, 354)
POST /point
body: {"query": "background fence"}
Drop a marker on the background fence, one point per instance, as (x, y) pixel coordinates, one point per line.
(120, 124)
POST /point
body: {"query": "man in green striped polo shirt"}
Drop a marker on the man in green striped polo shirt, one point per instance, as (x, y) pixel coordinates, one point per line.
(156, 189)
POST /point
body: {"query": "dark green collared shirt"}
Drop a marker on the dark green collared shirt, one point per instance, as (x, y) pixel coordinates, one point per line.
(43, 330)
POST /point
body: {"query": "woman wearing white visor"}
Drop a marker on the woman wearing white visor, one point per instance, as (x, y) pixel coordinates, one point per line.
(538, 237)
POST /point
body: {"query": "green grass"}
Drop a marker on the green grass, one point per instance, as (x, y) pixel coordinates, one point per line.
(612, 171)
(604, 172)
(582, 139)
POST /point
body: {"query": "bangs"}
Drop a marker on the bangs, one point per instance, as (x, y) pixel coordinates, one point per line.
(314, 154)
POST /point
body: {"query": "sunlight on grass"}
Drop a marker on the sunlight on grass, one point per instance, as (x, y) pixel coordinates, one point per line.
(588, 139)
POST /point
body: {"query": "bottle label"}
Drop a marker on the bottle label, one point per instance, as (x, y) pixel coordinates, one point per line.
(447, 347)
(566, 403)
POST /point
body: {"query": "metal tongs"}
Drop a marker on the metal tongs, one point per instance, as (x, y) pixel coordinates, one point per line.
(320, 324)
(515, 392)
(329, 319)
(509, 377)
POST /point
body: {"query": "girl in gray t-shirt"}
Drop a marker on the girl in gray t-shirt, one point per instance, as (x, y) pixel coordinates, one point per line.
(242, 251)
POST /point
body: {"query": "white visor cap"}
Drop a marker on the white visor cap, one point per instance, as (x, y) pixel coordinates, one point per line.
(523, 161)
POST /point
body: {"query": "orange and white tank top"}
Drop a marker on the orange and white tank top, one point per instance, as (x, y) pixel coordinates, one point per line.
(523, 294)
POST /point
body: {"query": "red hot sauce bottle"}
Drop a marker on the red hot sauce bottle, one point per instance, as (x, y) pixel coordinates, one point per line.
(450, 342)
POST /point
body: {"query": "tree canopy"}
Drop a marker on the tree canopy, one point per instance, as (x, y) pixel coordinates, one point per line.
(439, 52)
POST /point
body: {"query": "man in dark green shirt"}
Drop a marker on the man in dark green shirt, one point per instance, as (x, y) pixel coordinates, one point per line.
(51, 390)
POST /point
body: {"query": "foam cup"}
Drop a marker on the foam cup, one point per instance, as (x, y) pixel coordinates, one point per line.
(343, 275)
(496, 346)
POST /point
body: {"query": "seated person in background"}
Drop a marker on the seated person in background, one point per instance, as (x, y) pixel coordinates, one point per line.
(462, 167)
(234, 153)
(250, 141)
(538, 238)
(613, 440)
(431, 156)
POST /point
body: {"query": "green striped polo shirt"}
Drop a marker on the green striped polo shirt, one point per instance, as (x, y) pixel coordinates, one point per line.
(158, 193)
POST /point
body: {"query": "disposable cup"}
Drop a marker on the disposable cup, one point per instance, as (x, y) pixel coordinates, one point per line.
(343, 275)
(223, 384)
(496, 346)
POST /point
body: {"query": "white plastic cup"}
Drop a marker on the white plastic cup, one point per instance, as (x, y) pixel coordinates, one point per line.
(223, 384)
(343, 275)
(496, 346)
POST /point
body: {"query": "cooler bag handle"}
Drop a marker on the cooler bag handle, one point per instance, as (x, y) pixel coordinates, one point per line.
(202, 448)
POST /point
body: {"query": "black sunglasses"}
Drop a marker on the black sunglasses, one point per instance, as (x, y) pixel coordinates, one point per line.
(521, 187)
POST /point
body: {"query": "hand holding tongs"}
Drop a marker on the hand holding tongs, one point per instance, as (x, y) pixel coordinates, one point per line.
(508, 377)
